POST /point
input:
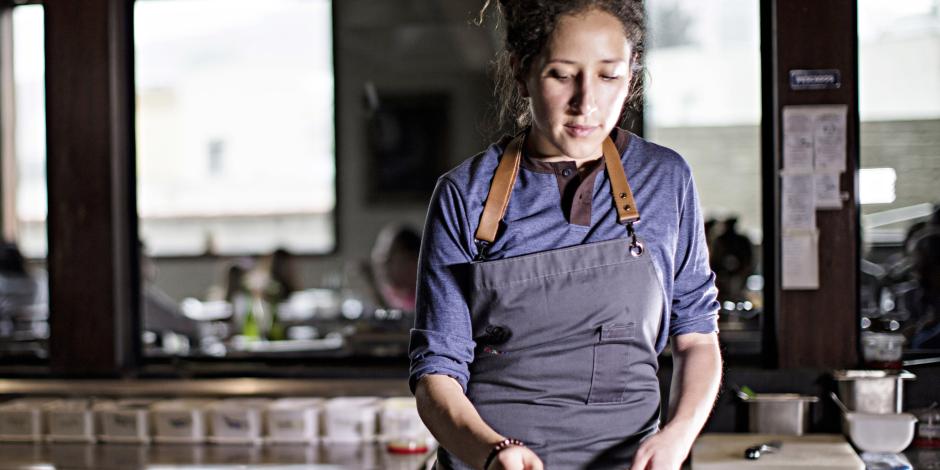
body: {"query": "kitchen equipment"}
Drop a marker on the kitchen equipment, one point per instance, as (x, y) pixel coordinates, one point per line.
(882, 350)
(71, 420)
(125, 421)
(779, 413)
(293, 420)
(22, 420)
(179, 421)
(877, 432)
(237, 421)
(350, 419)
(754, 452)
(928, 427)
(872, 391)
(810, 451)
(398, 419)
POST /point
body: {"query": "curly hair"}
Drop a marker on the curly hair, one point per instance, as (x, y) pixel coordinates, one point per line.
(529, 25)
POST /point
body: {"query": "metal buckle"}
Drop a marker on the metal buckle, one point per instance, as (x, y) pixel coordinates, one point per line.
(481, 250)
(636, 246)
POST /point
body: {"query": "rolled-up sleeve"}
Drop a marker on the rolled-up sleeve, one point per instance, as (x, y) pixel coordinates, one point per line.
(441, 340)
(695, 297)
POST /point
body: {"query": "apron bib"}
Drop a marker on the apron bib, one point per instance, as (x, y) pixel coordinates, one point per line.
(565, 358)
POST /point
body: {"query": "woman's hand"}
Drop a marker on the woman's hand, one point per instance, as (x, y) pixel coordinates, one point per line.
(665, 450)
(516, 458)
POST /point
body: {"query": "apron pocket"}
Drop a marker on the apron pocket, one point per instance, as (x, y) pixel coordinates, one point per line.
(611, 368)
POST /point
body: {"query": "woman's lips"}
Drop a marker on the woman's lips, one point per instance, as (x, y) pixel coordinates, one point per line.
(579, 131)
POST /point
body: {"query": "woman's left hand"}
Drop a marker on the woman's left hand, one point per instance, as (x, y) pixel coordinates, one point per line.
(665, 450)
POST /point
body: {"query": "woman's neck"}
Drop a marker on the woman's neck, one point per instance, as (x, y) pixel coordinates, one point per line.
(539, 148)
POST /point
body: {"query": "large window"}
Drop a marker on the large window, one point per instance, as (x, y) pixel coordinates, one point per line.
(899, 106)
(235, 134)
(703, 99)
(23, 286)
(235, 157)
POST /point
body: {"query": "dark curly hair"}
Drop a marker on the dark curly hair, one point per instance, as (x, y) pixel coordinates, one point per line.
(528, 26)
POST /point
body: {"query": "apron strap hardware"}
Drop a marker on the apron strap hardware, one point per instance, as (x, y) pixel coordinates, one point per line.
(482, 246)
(497, 200)
(636, 246)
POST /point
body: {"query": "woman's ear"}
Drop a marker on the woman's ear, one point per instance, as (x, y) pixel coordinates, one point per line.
(518, 76)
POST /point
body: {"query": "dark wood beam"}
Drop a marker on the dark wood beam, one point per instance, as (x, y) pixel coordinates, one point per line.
(819, 328)
(93, 264)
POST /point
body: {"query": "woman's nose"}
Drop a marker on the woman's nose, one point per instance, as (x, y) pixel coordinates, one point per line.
(583, 102)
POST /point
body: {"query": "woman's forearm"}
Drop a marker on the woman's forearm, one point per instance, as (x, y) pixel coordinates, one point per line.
(695, 382)
(453, 420)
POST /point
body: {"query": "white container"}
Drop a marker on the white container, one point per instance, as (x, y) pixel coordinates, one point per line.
(875, 432)
(180, 421)
(398, 420)
(350, 419)
(22, 420)
(293, 420)
(237, 421)
(125, 421)
(70, 420)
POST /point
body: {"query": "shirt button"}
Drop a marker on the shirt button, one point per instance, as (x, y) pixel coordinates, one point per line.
(566, 172)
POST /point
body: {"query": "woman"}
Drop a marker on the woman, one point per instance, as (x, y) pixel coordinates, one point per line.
(542, 301)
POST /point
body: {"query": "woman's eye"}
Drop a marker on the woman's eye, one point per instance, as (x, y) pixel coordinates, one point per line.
(558, 75)
(609, 78)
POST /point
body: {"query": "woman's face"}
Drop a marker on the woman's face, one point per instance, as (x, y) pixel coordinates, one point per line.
(578, 85)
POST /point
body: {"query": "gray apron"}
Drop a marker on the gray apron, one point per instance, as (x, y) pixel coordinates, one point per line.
(565, 358)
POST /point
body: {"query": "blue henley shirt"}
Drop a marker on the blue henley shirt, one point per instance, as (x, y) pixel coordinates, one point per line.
(671, 228)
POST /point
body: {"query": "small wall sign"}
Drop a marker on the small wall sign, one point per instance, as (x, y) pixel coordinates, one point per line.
(817, 79)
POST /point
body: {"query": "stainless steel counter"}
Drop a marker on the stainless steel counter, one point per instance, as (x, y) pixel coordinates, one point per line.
(201, 457)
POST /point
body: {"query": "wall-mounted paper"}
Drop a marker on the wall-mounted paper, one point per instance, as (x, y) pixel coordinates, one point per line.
(800, 259)
(828, 195)
(797, 139)
(798, 201)
(814, 138)
(829, 144)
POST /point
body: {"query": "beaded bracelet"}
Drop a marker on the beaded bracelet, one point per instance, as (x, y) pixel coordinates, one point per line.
(499, 447)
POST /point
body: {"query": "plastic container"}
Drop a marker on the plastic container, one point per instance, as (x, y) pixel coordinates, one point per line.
(779, 413)
(180, 421)
(882, 350)
(70, 420)
(399, 421)
(872, 391)
(876, 432)
(293, 421)
(22, 420)
(237, 421)
(125, 421)
(351, 419)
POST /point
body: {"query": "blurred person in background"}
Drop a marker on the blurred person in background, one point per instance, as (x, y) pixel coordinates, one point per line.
(732, 259)
(161, 313)
(394, 266)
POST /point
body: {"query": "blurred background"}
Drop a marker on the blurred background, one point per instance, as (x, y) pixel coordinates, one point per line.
(286, 151)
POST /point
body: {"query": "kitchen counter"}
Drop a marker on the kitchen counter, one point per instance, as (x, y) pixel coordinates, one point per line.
(831, 451)
(321, 456)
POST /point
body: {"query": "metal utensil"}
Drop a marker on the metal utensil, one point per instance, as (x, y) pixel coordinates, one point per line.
(754, 452)
(835, 398)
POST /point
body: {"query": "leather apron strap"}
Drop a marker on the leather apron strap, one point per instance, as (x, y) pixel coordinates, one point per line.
(505, 178)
